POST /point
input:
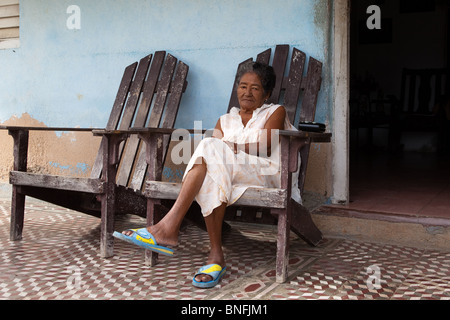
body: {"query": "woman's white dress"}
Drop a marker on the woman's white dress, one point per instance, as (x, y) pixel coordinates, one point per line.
(229, 174)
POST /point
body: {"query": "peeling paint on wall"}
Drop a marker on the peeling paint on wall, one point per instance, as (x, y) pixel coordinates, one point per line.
(66, 153)
(78, 169)
(172, 174)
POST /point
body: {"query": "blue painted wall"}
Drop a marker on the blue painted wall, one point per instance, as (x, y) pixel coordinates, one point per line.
(69, 78)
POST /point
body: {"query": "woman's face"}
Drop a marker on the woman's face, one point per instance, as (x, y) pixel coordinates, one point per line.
(250, 92)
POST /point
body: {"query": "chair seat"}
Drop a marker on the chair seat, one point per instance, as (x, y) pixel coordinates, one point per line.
(253, 196)
(49, 181)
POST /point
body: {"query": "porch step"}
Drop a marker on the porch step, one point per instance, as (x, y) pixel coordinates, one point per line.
(407, 230)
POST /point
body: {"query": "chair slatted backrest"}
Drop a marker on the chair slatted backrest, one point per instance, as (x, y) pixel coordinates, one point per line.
(149, 96)
(297, 92)
(422, 89)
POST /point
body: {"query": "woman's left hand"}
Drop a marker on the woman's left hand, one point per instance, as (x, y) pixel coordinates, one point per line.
(232, 146)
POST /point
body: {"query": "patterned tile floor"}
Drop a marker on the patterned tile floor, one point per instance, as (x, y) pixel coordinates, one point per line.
(58, 260)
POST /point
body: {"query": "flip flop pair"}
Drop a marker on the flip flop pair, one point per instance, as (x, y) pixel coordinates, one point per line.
(143, 238)
(213, 270)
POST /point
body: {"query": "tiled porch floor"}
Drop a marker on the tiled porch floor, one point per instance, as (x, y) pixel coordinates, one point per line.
(58, 259)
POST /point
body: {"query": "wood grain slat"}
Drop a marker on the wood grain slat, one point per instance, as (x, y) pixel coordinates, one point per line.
(116, 112)
(146, 90)
(56, 182)
(161, 95)
(314, 80)
(135, 92)
(253, 196)
(279, 66)
(171, 110)
(264, 57)
(294, 83)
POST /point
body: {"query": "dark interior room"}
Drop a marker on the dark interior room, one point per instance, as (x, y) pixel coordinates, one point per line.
(400, 108)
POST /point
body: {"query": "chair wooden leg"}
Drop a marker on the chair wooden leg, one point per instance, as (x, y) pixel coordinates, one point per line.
(17, 214)
(110, 161)
(282, 246)
(154, 158)
(303, 225)
(21, 138)
(107, 224)
(151, 258)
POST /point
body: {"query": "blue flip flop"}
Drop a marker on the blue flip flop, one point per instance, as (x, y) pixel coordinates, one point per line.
(145, 239)
(213, 270)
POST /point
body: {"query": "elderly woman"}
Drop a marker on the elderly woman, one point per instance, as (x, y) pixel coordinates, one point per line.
(242, 152)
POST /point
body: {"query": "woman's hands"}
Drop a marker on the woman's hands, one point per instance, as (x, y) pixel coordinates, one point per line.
(249, 148)
(233, 146)
(264, 146)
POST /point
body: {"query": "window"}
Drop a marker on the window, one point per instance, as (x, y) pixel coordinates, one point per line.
(9, 24)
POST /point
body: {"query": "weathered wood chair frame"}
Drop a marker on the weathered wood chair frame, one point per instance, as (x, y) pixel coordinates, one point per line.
(147, 89)
(290, 214)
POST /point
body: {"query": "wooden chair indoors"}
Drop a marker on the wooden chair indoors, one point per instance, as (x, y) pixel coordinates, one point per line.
(288, 213)
(147, 88)
(422, 91)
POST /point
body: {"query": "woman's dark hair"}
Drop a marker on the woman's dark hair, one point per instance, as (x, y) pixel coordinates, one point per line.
(265, 73)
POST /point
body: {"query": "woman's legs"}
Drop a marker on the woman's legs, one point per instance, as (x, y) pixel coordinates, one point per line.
(166, 230)
(214, 227)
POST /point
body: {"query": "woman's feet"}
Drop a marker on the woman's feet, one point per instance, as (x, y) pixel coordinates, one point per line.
(143, 238)
(215, 257)
(162, 237)
(165, 233)
(216, 273)
(208, 276)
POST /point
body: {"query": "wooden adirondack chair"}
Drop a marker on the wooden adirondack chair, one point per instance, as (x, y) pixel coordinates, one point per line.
(278, 200)
(292, 86)
(422, 90)
(147, 88)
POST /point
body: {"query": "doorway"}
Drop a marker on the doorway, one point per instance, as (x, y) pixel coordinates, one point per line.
(400, 109)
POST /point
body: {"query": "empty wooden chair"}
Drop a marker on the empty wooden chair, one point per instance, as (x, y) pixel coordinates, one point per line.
(147, 88)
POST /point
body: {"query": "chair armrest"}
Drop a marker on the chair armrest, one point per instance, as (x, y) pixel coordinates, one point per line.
(297, 140)
(17, 128)
(314, 136)
(140, 131)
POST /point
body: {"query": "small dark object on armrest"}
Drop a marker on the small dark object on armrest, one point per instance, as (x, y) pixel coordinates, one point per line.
(311, 126)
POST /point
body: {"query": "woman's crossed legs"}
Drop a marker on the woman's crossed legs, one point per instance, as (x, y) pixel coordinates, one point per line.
(167, 229)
